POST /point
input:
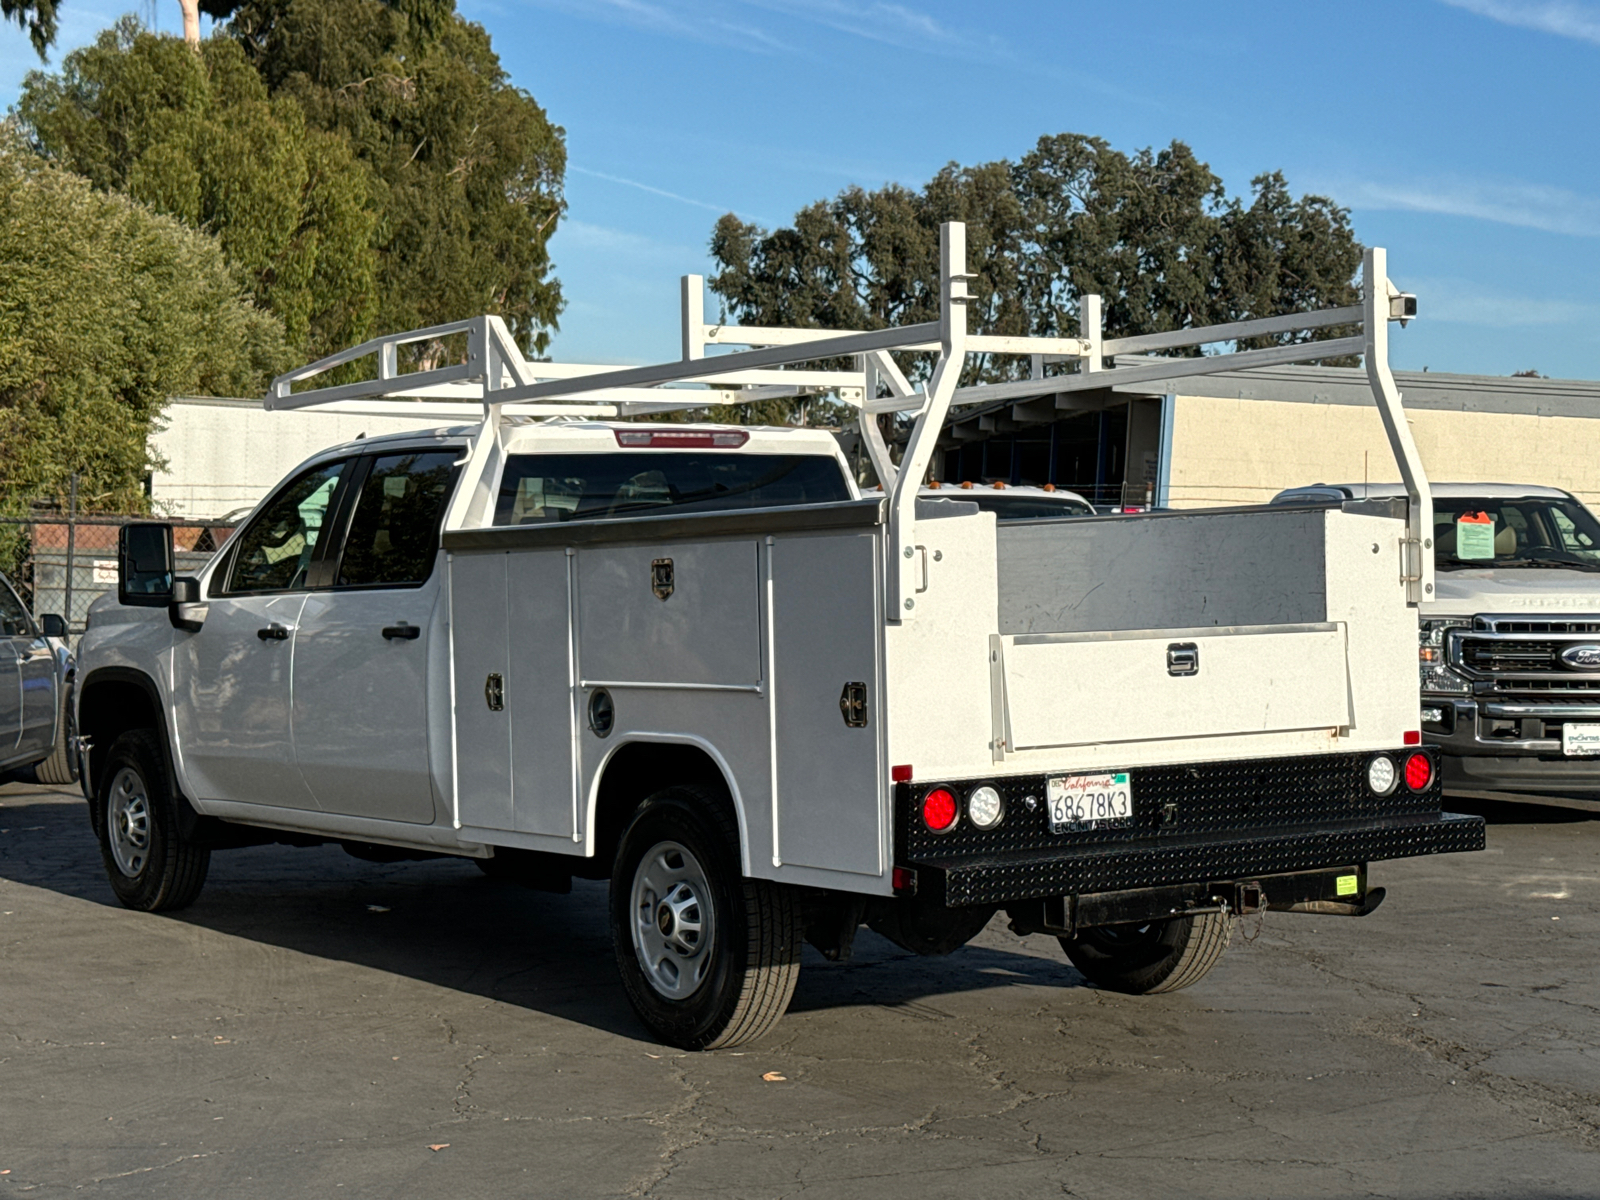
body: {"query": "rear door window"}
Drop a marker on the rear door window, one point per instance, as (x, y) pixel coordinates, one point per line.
(540, 488)
(394, 532)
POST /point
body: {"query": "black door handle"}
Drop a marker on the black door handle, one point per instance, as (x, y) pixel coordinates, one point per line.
(403, 630)
(273, 633)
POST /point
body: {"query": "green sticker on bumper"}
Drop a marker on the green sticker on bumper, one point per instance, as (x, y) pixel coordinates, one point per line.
(1346, 885)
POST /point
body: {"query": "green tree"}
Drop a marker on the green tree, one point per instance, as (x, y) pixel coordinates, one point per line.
(106, 310)
(1154, 233)
(195, 135)
(38, 17)
(469, 167)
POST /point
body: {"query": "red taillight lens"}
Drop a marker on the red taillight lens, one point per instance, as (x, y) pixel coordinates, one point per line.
(939, 810)
(1413, 737)
(1419, 772)
(683, 439)
(901, 774)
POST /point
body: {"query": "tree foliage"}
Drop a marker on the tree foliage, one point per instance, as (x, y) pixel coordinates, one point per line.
(38, 17)
(196, 136)
(106, 310)
(369, 165)
(1154, 233)
(469, 168)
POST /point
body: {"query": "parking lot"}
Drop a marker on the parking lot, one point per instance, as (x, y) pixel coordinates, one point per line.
(319, 1026)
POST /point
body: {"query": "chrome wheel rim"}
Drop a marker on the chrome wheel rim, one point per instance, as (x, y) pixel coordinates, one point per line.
(128, 822)
(672, 917)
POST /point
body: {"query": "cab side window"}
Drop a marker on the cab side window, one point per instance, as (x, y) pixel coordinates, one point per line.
(394, 531)
(274, 551)
(14, 620)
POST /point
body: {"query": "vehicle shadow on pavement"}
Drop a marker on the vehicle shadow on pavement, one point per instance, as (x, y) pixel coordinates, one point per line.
(442, 922)
(1558, 811)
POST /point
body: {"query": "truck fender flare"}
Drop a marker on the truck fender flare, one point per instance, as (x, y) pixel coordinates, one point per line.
(187, 815)
(730, 781)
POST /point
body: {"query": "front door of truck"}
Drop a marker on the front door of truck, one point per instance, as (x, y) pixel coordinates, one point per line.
(360, 710)
(233, 677)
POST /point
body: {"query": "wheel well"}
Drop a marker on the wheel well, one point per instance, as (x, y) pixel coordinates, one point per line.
(108, 708)
(636, 772)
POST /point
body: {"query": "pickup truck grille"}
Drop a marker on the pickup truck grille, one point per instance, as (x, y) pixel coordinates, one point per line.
(1517, 656)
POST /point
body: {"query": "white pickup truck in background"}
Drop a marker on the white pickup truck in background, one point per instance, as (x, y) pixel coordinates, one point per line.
(1509, 644)
(693, 660)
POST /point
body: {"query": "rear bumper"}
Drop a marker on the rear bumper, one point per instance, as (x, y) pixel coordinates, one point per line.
(1100, 869)
(1197, 823)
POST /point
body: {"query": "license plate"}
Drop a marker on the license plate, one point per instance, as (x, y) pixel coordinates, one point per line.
(1089, 801)
(1580, 740)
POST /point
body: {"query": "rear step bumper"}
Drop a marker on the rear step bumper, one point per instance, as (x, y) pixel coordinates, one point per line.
(1001, 879)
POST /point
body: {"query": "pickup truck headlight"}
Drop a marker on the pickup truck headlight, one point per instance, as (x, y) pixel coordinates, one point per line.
(1434, 662)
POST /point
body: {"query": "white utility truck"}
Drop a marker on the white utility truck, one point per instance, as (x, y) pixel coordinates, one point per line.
(1509, 643)
(695, 661)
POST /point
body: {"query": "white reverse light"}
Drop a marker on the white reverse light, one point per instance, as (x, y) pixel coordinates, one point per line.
(983, 807)
(1382, 775)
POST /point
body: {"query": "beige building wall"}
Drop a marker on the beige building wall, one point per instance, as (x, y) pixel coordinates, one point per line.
(1246, 451)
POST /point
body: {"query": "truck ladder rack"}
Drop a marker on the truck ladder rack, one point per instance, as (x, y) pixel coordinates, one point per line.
(496, 383)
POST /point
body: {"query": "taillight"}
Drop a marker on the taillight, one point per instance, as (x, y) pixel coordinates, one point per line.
(939, 811)
(683, 439)
(1419, 772)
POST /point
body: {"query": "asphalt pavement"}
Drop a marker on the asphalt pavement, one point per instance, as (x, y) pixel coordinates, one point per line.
(318, 1026)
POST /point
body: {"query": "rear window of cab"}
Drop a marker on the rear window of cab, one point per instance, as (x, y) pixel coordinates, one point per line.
(539, 488)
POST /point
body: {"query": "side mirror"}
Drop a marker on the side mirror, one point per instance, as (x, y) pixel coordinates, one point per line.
(144, 565)
(51, 625)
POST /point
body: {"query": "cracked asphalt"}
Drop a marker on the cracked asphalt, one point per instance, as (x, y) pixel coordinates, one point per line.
(316, 1026)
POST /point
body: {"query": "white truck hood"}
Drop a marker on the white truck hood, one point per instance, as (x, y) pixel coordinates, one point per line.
(1511, 590)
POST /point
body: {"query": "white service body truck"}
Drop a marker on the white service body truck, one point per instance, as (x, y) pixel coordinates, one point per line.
(695, 661)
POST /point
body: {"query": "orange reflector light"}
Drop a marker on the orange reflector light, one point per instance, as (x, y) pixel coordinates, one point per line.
(901, 774)
(683, 439)
(1413, 737)
(939, 811)
(1419, 772)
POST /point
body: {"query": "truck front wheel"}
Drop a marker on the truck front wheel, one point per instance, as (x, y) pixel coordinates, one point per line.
(152, 866)
(708, 958)
(1161, 956)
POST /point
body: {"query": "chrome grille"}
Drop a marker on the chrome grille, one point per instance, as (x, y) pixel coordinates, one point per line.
(1520, 656)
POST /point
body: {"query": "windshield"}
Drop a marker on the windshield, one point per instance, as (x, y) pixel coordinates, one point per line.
(572, 487)
(1524, 531)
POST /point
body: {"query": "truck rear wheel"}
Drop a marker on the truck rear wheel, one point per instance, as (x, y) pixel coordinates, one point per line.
(152, 866)
(1142, 960)
(708, 958)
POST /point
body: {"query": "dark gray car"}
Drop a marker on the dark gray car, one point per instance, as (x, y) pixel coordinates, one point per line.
(36, 678)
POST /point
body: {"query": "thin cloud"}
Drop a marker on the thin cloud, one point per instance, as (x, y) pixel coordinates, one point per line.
(603, 238)
(662, 192)
(1563, 18)
(1463, 302)
(1526, 205)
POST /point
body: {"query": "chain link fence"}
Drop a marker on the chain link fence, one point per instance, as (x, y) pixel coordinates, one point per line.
(62, 563)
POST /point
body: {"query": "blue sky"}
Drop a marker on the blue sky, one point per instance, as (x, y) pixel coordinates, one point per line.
(1461, 133)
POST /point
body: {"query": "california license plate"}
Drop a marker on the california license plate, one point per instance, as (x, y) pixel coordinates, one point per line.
(1580, 741)
(1089, 801)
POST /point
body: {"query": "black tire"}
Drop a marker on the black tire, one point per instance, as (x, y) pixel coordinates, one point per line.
(152, 866)
(1143, 960)
(61, 766)
(735, 984)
